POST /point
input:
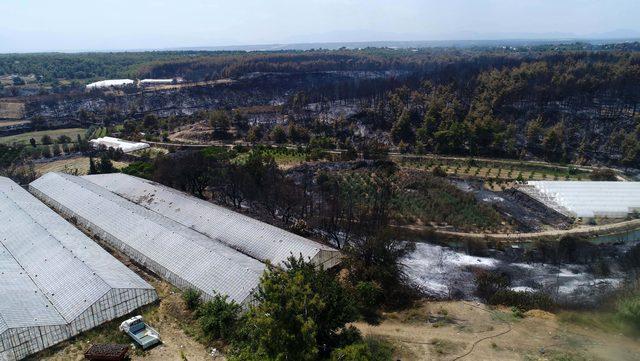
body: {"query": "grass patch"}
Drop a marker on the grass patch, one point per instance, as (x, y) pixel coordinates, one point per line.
(620, 315)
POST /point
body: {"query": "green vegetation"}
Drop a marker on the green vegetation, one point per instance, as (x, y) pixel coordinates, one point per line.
(191, 299)
(300, 312)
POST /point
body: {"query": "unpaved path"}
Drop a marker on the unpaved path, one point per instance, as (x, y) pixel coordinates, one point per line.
(588, 231)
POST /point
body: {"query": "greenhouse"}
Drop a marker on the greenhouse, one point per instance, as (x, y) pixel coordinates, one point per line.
(55, 282)
(184, 257)
(115, 143)
(247, 235)
(586, 199)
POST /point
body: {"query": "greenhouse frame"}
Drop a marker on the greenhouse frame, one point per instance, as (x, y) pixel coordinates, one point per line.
(247, 235)
(182, 256)
(55, 282)
(587, 199)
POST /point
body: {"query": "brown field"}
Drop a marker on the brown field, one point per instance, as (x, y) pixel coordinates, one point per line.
(11, 110)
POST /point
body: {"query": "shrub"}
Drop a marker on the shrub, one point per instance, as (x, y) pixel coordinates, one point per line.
(191, 298)
(439, 172)
(521, 300)
(489, 282)
(370, 349)
(603, 175)
(218, 318)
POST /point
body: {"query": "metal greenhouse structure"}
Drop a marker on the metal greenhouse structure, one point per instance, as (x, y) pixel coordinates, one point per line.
(186, 258)
(55, 282)
(247, 235)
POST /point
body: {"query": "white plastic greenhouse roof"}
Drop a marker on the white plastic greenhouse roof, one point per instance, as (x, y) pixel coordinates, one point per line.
(110, 83)
(185, 257)
(247, 235)
(589, 199)
(50, 272)
(116, 143)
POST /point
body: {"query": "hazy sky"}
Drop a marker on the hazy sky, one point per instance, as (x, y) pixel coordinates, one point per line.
(37, 25)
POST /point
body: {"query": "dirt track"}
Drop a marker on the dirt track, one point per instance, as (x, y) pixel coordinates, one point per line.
(586, 231)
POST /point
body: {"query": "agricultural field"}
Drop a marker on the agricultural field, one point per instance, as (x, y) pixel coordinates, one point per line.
(496, 170)
(11, 110)
(54, 133)
(419, 198)
(75, 165)
(285, 157)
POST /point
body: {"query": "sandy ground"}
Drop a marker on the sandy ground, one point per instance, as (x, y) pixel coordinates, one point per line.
(471, 331)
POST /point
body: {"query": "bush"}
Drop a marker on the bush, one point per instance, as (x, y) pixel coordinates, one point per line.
(439, 172)
(603, 175)
(629, 310)
(218, 318)
(191, 298)
(368, 298)
(370, 349)
(521, 299)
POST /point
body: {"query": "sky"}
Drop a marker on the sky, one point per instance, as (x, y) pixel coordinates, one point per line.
(83, 25)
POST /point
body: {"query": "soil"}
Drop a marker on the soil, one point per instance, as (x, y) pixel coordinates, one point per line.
(472, 331)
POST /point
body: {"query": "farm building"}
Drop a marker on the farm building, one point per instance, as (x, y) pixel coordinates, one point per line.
(247, 235)
(586, 199)
(115, 143)
(55, 282)
(186, 258)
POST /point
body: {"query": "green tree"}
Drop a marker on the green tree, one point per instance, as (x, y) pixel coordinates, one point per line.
(402, 130)
(278, 134)
(301, 313)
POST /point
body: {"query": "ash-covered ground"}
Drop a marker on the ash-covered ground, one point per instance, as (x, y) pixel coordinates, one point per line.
(443, 273)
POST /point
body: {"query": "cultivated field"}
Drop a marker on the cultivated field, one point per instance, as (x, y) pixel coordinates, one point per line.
(497, 170)
(75, 165)
(54, 133)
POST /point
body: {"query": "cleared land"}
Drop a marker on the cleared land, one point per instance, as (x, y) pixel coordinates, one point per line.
(75, 165)
(54, 133)
(449, 330)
